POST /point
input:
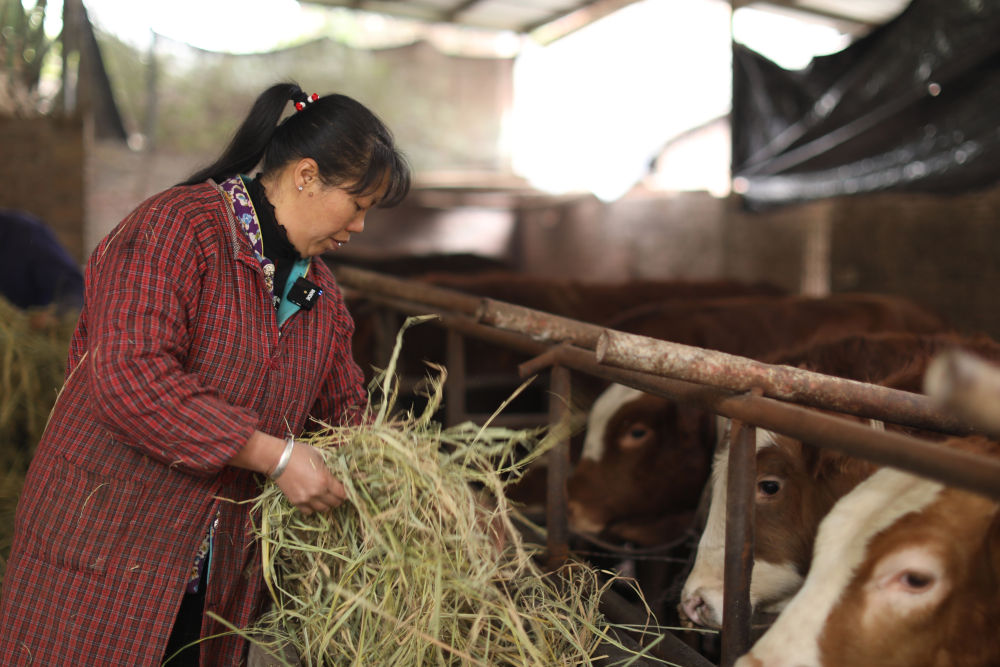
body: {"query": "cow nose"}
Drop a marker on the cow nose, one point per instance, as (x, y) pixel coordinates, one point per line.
(581, 520)
(692, 606)
(750, 660)
(574, 514)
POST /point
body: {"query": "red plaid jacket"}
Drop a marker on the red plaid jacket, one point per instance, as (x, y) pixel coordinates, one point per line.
(176, 359)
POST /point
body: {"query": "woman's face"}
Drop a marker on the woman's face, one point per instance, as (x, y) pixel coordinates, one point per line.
(317, 217)
(324, 216)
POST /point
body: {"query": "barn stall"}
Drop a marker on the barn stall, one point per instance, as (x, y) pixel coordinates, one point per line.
(893, 192)
(826, 206)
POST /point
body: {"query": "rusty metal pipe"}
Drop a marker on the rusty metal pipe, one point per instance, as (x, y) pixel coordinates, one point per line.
(538, 325)
(975, 473)
(728, 371)
(922, 457)
(871, 401)
(741, 486)
(528, 330)
(556, 522)
(371, 282)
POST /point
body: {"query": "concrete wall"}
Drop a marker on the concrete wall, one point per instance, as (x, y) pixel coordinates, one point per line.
(641, 236)
(938, 251)
(690, 236)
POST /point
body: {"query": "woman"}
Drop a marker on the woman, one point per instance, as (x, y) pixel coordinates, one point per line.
(211, 333)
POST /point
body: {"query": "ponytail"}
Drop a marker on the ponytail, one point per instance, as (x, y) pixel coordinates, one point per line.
(351, 146)
(247, 147)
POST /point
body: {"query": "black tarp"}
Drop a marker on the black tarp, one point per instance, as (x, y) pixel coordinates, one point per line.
(914, 105)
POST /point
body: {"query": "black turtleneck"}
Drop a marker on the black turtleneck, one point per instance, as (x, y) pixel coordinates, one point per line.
(277, 247)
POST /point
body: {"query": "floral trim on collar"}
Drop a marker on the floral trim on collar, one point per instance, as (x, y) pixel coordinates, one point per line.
(239, 200)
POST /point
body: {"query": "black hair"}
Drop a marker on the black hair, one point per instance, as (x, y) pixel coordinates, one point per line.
(349, 143)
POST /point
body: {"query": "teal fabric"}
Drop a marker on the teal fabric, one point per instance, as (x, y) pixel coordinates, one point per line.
(286, 308)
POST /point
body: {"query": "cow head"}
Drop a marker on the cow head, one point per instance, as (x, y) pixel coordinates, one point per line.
(906, 573)
(644, 464)
(796, 486)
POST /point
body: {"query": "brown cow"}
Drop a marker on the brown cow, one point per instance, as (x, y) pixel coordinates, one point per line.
(797, 483)
(590, 302)
(751, 326)
(906, 574)
(625, 485)
(491, 371)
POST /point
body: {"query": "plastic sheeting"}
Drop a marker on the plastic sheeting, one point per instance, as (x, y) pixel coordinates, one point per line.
(912, 106)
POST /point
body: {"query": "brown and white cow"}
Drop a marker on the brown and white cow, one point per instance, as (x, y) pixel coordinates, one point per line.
(797, 484)
(629, 484)
(906, 573)
(646, 459)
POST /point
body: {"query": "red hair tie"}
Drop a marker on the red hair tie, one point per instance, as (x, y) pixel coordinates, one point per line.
(306, 101)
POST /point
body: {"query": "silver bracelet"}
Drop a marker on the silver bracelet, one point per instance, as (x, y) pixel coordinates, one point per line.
(286, 456)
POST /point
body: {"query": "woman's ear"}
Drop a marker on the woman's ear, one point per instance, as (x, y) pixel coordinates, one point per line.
(306, 171)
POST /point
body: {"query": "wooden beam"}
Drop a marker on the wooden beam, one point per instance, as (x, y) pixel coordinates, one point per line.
(563, 24)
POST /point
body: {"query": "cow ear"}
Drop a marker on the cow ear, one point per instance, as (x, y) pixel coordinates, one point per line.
(814, 459)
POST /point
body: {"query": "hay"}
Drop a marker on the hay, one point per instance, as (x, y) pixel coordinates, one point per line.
(410, 569)
(32, 370)
(33, 349)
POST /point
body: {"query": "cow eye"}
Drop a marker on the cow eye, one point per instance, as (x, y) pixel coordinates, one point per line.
(768, 487)
(638, 432)
(915, 581)
(635, 437)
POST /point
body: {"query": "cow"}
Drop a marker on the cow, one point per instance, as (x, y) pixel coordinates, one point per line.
(906, 573)
(490, 370)
(796, 486)
(797, 483)
(591, 302)
(624, 486)
(750, 325)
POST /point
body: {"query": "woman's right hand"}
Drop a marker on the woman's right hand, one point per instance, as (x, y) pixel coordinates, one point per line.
(305, 480)
(308, 483)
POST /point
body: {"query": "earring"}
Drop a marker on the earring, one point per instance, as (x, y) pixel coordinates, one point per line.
(300, 188)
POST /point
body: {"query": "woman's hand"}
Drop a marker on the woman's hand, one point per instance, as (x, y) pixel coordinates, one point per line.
(305, 480)
(308, 483)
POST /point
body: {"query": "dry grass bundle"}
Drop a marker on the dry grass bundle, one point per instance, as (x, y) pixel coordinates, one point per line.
(33, 351)
(409, 570)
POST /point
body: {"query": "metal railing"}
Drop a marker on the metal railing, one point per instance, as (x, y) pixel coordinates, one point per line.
(752, 393)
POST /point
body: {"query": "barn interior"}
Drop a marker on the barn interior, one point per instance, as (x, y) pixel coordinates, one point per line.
(868, 169)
